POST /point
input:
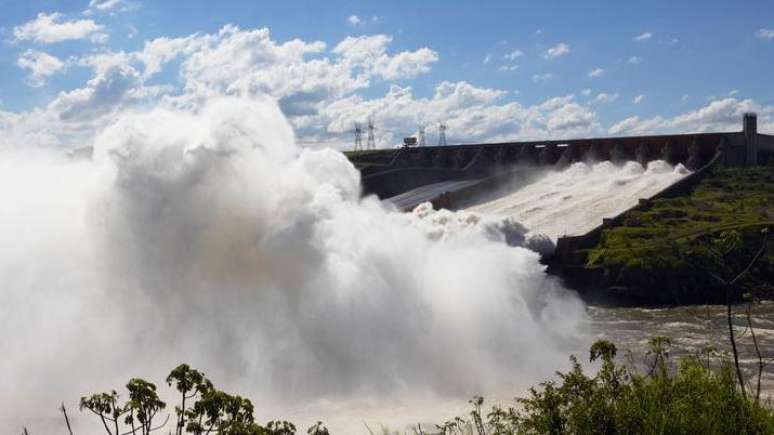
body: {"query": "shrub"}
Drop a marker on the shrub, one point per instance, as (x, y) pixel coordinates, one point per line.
(692, 398)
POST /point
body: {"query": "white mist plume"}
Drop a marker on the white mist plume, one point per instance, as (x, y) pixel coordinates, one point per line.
(206, 236)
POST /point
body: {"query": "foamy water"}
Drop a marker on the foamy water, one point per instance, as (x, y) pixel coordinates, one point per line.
(574, 200)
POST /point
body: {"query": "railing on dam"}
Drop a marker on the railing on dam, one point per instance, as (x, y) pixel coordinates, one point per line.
(387, 173)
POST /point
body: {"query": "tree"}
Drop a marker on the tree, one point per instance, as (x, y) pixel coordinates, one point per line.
(190, 383)
(212, 411)
(106, 407)
(143, 405)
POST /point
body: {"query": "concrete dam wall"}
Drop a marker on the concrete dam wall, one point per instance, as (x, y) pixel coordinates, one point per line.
(491, 178)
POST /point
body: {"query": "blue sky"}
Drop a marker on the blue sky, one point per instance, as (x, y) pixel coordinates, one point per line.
(615, 67)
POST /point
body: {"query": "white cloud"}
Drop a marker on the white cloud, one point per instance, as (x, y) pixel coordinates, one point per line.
(104, 5)
(318, 88)
(487, 58)
(515, 54)
(634, 60)
(557, 50)
(596, 72)
(544, 77)
(49, 28)
(508, 68)
(369, 53)
(605, 98)
(719, 115)
(358, 21)
(684, 98)
(103, 94)
(302, 76)
(643, 36)
(473, 114)
(41, 65)
(638, 99)
(733, 92)
(765, 33)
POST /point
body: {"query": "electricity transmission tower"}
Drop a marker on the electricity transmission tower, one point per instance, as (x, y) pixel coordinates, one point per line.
(421, 129)
(441, 134)
(371, 139)
(358, 137)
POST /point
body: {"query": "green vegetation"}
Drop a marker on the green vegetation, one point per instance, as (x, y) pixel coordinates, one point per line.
(692, 398)
(355, 155)
(367, 158)
(670, 244)
(203, 409)
(701, 393)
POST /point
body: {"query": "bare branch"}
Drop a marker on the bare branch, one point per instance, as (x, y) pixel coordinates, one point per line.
(67, 420)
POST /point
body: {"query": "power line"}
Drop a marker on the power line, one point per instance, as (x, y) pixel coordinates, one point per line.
(371, 139)
(421, 129)
(442, 133)
(358, 137)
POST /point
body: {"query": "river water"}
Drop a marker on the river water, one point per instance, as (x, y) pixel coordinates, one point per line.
(691, 330)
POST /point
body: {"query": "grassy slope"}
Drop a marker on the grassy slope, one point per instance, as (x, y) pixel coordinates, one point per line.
(672, 242)
(366, 158)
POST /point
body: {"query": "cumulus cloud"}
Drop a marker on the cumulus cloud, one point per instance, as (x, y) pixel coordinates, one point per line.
(643, 36)
(634, 60)
(472, 114)
(557, 50)
(301, 75)
(354, 20)
(487, 58)
(719, 115)
(317, 87)
(370, 54)
(41, 65)
(765, 33)
(638, 99)
(50, 28)
(596, 72)
(109, 90)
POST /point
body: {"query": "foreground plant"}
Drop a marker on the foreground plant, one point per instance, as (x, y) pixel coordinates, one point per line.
(203, 409)
(687, 397)
(691, 398)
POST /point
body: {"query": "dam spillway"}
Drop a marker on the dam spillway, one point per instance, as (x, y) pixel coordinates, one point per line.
(574, 200)
(540, 182)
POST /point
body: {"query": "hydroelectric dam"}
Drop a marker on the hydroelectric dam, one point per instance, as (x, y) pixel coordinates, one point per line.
(545, 184)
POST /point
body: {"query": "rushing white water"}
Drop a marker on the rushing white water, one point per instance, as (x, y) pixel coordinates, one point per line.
(574, 200)
(207, 236)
